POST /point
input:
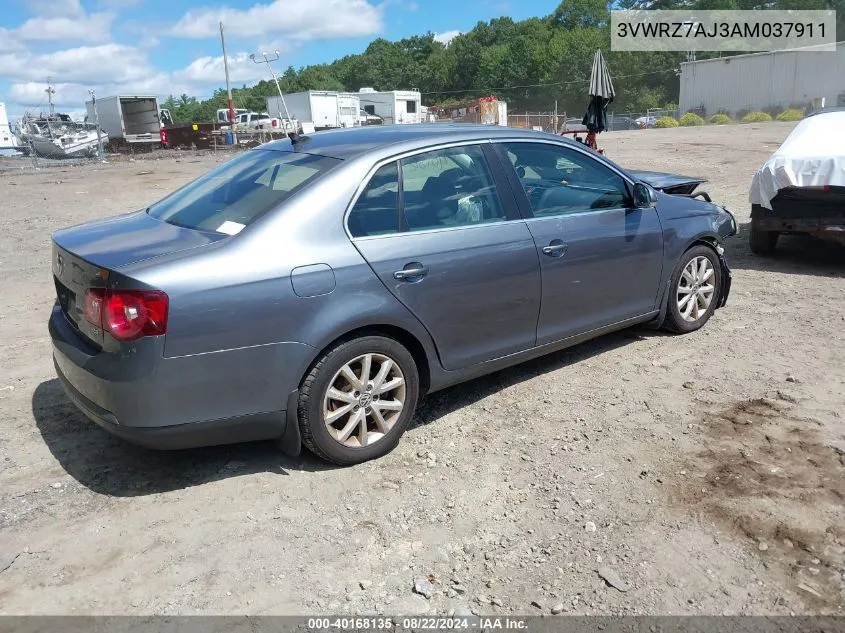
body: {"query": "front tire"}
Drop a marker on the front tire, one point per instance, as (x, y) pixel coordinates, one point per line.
(694, 290)
(358, 399)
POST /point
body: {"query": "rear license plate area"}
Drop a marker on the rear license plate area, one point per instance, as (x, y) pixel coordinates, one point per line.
(67, 300)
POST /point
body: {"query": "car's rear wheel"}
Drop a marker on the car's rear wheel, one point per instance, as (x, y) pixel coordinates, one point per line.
(357, 400)
(762, 242)
(695, 287)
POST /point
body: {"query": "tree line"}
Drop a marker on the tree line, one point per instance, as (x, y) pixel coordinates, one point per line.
(533, 64)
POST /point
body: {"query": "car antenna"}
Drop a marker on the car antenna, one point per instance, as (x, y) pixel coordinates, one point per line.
(296, 138)
(293, 135)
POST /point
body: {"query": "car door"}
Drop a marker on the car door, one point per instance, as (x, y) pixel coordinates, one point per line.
(447, 240)
(601, 258)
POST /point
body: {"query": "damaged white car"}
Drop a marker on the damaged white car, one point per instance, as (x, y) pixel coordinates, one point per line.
(801, 187)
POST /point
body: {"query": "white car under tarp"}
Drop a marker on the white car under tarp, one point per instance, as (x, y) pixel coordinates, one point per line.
(813, 155)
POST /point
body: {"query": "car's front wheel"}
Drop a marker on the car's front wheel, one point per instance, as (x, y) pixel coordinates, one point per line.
(695, 287)
(357, 400)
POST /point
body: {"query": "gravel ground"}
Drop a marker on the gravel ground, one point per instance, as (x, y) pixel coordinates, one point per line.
(639, 473)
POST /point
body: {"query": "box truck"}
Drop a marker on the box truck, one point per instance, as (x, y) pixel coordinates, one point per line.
(326, 109)
(395, 106)
(127, 118)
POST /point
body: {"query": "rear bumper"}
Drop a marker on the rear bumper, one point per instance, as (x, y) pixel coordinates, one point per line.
(809, 210)
(262, 426)
(200, 400)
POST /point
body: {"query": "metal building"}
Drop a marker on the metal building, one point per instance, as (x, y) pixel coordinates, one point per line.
(765, 81)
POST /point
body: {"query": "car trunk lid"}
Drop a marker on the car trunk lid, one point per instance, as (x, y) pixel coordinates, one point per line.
(126, 239)
(85, 257)
(73, 276)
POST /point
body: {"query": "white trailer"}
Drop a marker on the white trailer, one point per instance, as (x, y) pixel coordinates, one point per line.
(394, 106)
(326, 109)
(349, 108)
(503, 113)
(8, 141)
(127, 118)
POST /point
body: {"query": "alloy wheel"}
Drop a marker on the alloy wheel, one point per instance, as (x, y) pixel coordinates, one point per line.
(696, 288)
(364, 400)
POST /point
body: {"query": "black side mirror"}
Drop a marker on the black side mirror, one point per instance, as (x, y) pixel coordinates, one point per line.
(643, 196)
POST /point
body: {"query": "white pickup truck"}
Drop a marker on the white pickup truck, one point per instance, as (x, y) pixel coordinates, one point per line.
(254, 121)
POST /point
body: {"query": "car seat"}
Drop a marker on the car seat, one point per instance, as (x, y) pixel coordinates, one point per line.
(440, 203)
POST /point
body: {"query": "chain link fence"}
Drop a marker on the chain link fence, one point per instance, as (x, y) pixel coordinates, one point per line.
(196, 138)
(571, 122)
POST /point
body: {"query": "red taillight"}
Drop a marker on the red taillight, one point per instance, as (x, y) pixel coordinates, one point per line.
(94, 306)
(127, 314)
(275, 123)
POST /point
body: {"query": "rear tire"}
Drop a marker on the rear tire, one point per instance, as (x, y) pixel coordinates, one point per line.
(346, 420)
(694, 290)
(762, 242)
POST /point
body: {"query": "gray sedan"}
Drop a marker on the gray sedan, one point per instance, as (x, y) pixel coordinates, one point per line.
(312, 290)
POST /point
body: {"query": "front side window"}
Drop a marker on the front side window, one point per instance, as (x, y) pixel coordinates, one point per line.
(376, 212)
(449, 188)
(558, 180)
(241, 190)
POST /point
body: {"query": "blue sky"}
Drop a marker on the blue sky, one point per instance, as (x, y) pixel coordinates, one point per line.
(173, 46)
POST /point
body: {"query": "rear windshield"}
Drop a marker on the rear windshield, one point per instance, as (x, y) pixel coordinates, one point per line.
(240, 191)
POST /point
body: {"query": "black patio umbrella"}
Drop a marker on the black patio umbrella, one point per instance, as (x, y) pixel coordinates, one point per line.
(601, 93)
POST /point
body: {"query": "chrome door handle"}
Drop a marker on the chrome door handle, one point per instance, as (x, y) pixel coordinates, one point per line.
(555, 249)
(406, 274)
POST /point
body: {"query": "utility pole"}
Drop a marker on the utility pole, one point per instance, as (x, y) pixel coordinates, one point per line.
(50, 92)
(267, 61)
(228, 86)
(556, 126)
(97, 123)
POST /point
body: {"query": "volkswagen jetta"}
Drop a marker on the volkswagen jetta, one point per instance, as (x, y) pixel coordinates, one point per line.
(311, 290)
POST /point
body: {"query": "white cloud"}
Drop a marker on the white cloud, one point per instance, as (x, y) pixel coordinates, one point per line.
(119, 4)
(209, 70)
(149, 41)
(107, 63)
(9, 41)
(87, 28)
(297, 19)
(113, 69)
(446, 36)
(57, 8)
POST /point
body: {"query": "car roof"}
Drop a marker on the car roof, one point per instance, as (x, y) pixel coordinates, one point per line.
(389, 139)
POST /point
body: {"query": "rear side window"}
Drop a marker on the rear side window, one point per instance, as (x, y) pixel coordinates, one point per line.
(449, 188)
(238, 192)
(376, 211)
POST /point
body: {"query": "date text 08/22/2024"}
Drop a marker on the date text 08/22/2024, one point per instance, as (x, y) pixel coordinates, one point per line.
(375, 624)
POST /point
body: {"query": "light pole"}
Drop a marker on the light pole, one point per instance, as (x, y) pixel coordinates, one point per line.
(232, 120)
(267, 61)
(97, 123)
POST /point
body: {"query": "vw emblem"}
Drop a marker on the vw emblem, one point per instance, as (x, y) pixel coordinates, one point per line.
(60, 264)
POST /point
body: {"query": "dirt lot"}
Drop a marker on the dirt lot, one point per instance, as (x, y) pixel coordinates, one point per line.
(700, 474)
